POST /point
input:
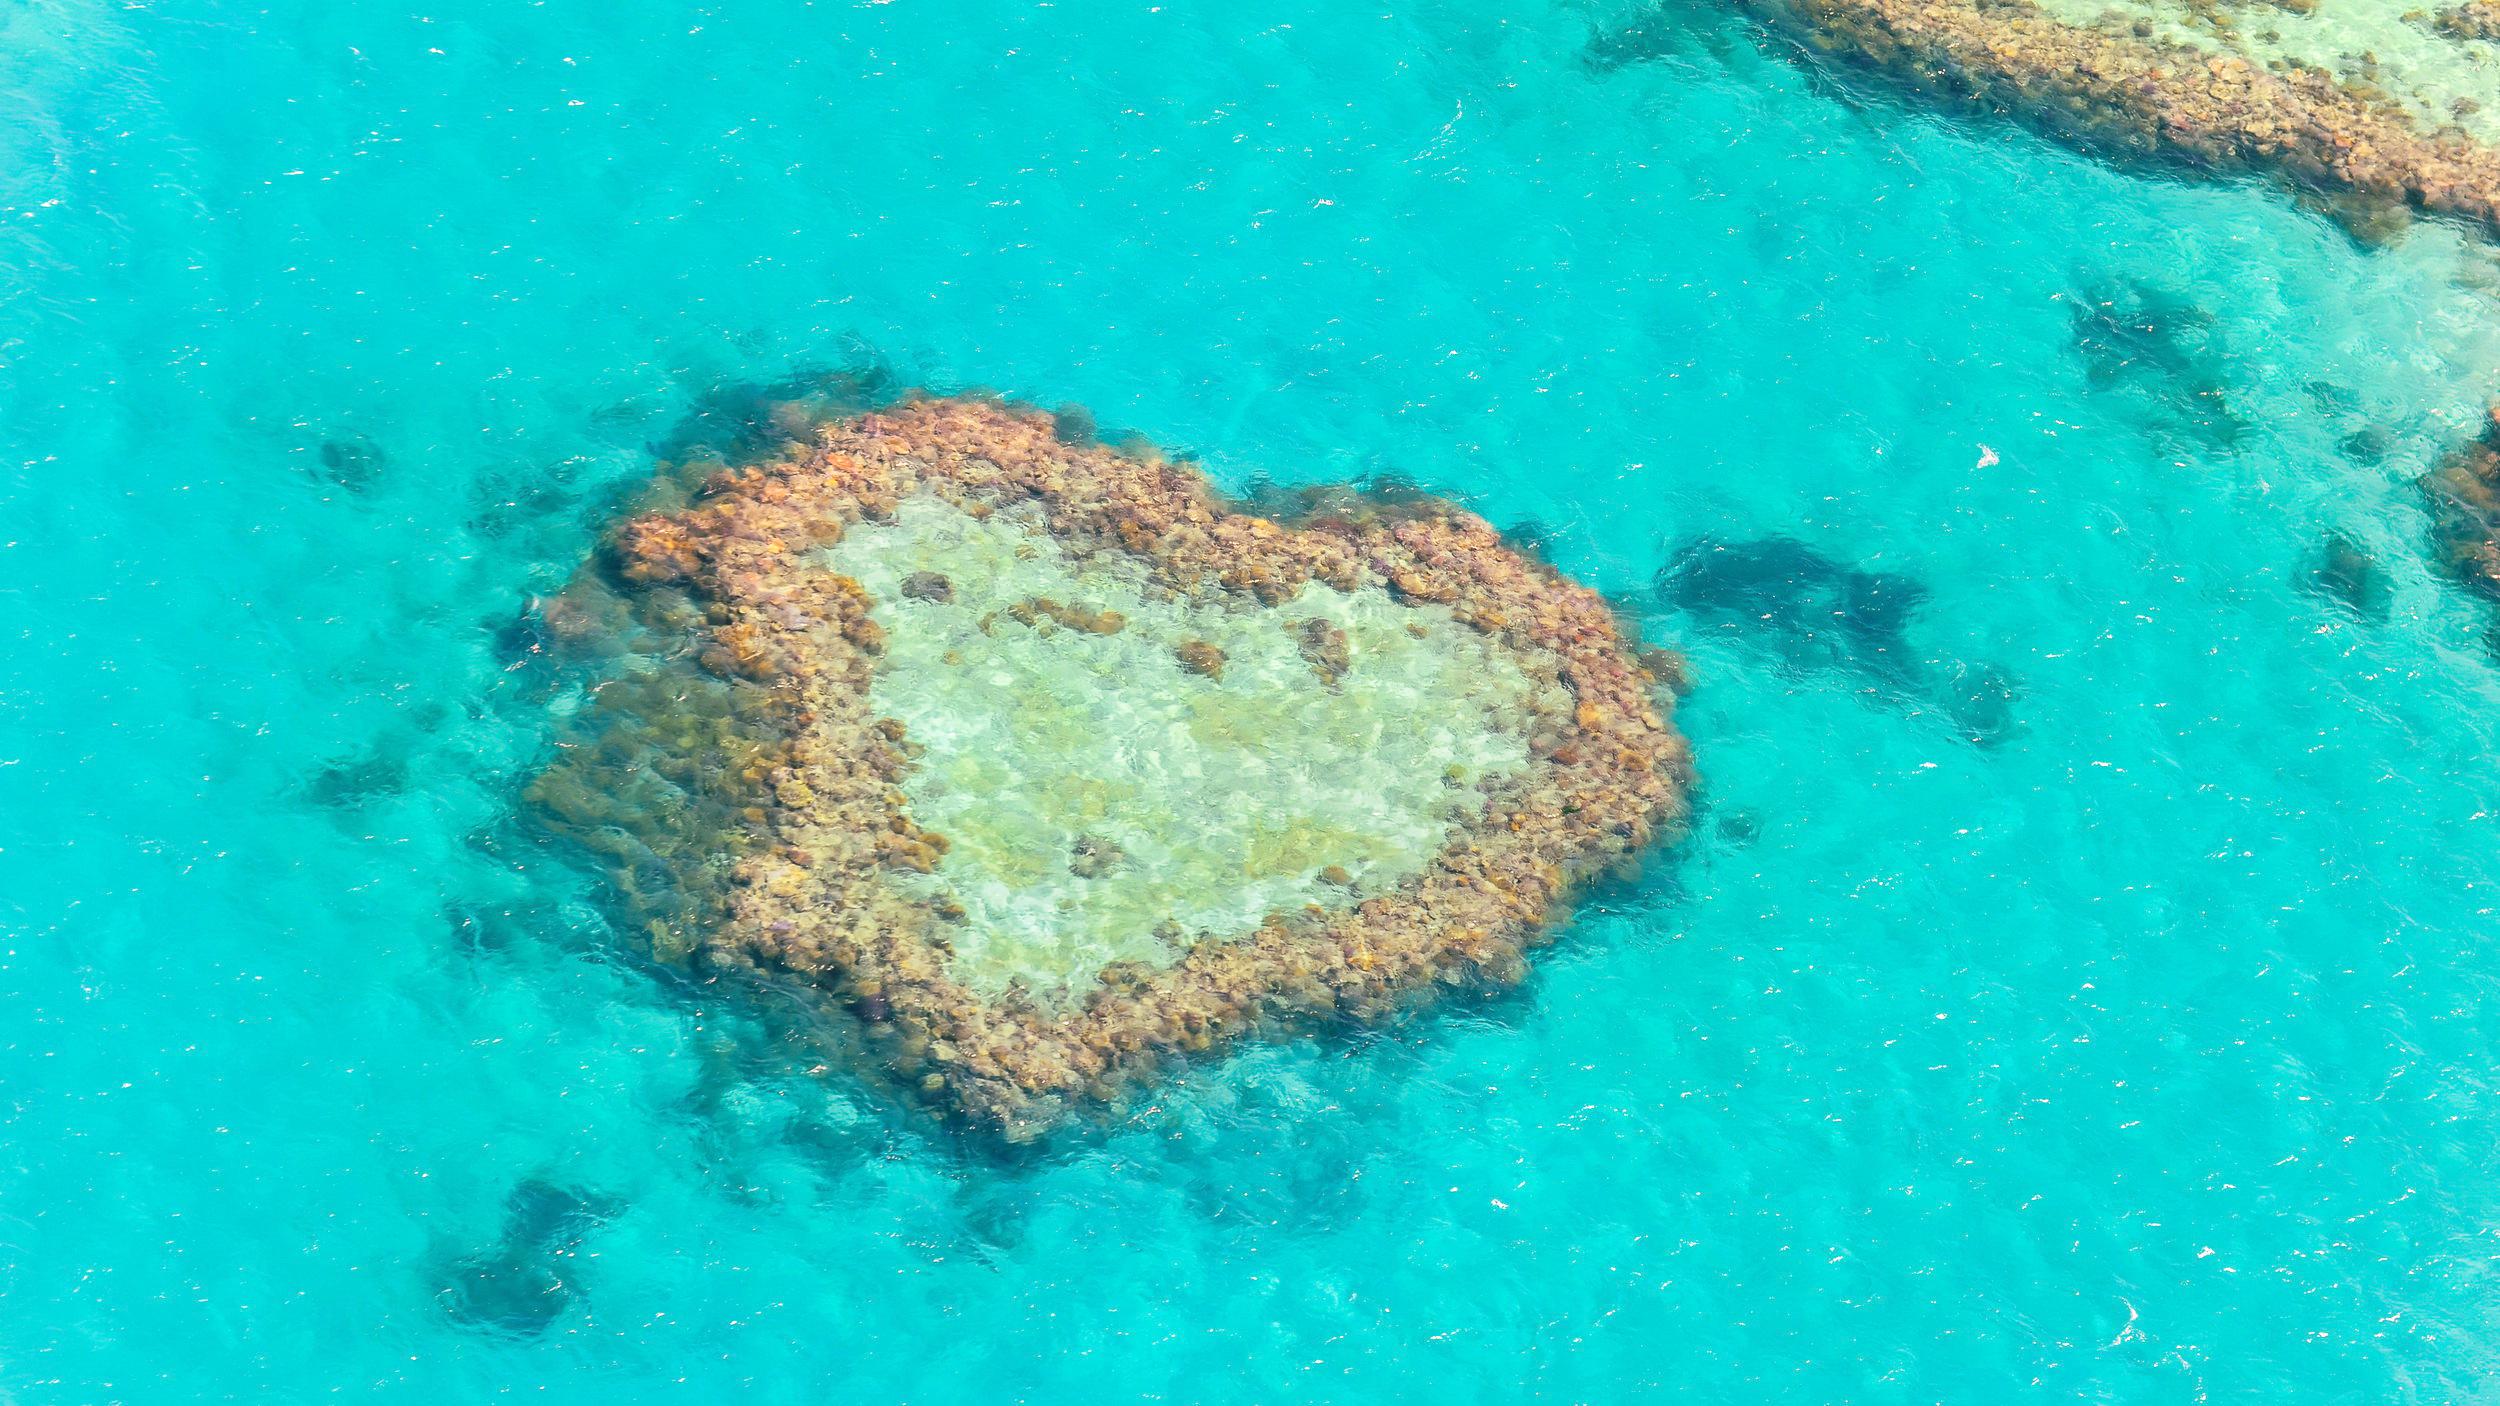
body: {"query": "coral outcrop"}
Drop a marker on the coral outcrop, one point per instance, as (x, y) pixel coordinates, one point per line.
(1049, 766)
(2183, 82)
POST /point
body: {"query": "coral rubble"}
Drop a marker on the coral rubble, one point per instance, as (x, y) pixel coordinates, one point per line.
(2365, 122)
(1049, 766)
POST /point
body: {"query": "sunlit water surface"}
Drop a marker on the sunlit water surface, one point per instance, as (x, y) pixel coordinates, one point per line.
(2137, 1050)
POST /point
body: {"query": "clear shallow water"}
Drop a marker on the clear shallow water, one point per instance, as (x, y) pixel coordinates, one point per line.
(2141, 1055)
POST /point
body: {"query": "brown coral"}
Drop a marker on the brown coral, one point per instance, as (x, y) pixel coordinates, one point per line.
(1202, 658)
(1324, 648)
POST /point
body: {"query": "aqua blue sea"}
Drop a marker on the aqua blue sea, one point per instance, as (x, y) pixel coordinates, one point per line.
(2077, 986)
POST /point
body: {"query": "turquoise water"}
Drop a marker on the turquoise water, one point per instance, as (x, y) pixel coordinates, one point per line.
(2137, 1050)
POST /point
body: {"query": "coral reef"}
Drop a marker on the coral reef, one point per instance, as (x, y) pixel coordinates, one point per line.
(2181, 86)
(1050, 767)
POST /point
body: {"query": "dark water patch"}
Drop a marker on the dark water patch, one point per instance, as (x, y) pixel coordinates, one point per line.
(2343, 573)
(996, 1216)
(2368, 446)
(480, 930)
(625, 422)
(1386, 494)
(1814, 615)
(728, 1142)
(2372, 437)
(772, 1084)
(1979, 700)
(838, 1146)
(2464, 494)
(739, 421)
(523, 1282)
(1533, 538)
(1308, 1185)
(1074, 424)
(1659, 35)
(2370, 219)
(520, 926)
(1818, 613)
(538, 643)
(357, 782)
(547, 499)
(351, 462)
(524, 639)
(654, 778)
(2132, 335)
(2332, 398)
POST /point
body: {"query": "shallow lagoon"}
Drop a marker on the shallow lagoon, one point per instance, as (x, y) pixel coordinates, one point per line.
(2140, 1054)
(1104, 802)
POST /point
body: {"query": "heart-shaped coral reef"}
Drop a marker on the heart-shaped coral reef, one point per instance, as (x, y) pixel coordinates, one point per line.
(1049, 765)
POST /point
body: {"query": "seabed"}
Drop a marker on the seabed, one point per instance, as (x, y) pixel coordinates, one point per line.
(1050, 767)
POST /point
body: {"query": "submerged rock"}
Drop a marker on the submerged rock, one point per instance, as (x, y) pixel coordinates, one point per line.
(1062, 767)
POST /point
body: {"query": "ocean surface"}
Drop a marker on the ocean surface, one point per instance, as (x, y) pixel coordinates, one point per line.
(2074, 987)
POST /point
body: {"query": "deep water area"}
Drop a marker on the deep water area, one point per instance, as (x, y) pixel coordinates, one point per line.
(2074, 986)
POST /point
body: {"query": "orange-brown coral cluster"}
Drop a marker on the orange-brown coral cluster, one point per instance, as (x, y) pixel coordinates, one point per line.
(2108, 89)
(810, 888)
